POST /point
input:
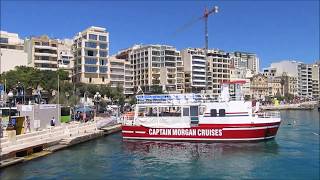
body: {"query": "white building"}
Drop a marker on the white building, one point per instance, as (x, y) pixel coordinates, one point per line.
(91, 51)
(11, 51)
(195, 69)
(287, 66)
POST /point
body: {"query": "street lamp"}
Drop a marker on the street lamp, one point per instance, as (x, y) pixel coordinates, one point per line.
(10, 95)
(97, 99)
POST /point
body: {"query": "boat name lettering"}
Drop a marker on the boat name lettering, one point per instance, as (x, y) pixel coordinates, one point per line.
(186, 132)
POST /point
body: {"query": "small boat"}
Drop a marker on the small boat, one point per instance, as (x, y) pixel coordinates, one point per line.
(200, 117)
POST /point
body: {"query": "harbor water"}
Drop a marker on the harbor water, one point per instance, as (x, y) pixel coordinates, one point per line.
(293, 154)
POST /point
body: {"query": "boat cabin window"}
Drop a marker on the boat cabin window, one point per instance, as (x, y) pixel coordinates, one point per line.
(170, 111)
(186, 112)
(194, 111)
(213, 113)
(202, 109)
(222, 112)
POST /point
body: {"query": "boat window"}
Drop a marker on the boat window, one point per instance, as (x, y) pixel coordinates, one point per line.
(202, 109)
(170, 111)
(194, 111)
(222, 112)
(141, 111)
(185, 111)
(151, 112)
(213, 113)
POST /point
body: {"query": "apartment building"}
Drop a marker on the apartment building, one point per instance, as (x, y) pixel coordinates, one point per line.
(11, 51)
(65, 56)
(245, 60)
(195, 69)
(305, 80)
(218, 69)
(155, 65)
(91, 51)
(316, 81)
(42, 52)
(121, 75)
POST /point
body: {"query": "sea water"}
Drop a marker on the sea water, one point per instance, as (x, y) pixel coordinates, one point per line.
(293, 154)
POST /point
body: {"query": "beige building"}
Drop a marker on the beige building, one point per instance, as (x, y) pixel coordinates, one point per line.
(259, 86)
(218, 69)
(11, 51)
(91, 51)
(121, 75)
(275, 87)
(155, 65)
(315, 80)
(42, 52)
(245, 60)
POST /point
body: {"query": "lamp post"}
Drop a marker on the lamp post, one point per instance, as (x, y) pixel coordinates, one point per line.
(10, 95)
(97, 99)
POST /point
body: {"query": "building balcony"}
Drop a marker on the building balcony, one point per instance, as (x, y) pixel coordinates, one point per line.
(45, 54)
(45, 47)
(45, 62)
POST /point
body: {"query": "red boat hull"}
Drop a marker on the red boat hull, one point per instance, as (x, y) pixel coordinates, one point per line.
(207, 132)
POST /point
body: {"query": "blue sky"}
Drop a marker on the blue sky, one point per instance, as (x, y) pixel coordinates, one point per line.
(275, 30)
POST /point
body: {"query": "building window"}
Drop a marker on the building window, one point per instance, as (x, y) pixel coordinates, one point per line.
(103, 53)
(90, 69)
(103, 69)
(90, 80)
(102, 38)
(93, 36)
(91, 44)
(45, 43)
(90, 53)
(90, 61)
(102, 79)
(103, 46)
(4, 40)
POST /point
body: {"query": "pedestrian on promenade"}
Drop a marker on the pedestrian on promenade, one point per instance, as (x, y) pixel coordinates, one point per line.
(53, 121)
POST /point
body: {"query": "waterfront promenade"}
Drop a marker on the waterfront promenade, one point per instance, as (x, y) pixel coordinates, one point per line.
(298, 106)
(16, 148)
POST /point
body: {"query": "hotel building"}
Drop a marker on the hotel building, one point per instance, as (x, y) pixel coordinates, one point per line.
(91, 51)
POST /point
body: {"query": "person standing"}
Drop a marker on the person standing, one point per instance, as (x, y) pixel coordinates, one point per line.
(53, 121)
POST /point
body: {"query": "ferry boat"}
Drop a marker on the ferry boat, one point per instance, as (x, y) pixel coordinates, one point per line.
(200, 117)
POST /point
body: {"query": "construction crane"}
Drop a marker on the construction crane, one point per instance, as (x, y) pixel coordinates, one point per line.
(206, 14)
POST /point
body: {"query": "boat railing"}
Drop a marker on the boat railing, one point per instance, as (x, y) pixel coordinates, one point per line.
(127, 119)
(268, 114)
(182, 98)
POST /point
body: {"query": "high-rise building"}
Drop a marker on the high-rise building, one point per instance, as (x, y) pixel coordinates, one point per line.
(155, 65)
(305, 80)
(91, 51)
(245, 60)
(195, 69)
(218, 69)
(42, 52)
(11, 51)
(316, 81)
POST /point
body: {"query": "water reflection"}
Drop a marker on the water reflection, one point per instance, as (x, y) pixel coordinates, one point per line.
(185, 151)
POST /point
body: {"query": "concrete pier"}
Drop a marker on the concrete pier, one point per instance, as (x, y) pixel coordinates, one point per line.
(41, 143)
